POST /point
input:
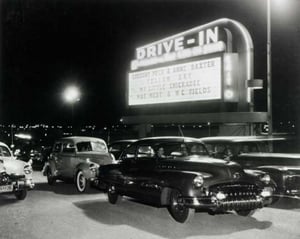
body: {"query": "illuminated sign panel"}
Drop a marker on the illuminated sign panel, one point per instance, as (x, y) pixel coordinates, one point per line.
(181, 46)
(192, 81)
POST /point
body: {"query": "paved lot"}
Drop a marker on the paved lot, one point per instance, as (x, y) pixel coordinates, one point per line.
(60, 212)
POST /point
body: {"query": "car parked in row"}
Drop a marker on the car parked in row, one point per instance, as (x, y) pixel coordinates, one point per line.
(78, 159)
(178, 173)
(254, 153)
(15, 175)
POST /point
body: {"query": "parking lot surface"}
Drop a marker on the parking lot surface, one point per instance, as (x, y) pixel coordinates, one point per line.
(59, 211)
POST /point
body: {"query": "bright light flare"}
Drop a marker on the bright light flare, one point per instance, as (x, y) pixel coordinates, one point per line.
(23, 136)
(71, 94)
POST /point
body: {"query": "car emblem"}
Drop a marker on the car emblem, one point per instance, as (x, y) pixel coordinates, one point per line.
(236, 175)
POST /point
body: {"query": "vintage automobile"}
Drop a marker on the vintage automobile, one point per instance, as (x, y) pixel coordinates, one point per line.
(117, 147)
(15, 175)
(254, 153)
(177, 172)
(77, 158)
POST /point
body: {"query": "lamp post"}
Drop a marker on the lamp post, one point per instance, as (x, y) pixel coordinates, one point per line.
(269, 70)
(71, 96)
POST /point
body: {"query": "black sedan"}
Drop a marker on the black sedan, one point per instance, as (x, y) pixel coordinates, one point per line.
(178, 173)
(254, 153)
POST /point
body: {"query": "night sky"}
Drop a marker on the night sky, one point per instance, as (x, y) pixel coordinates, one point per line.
(48, 44)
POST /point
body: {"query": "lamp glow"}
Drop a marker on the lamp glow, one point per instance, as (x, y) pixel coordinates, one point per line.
(71, 94)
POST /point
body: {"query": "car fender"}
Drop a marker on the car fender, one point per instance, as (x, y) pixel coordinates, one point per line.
(277, 173)
(181, 181)
(46, 167)
(51, 166)
(85, 167)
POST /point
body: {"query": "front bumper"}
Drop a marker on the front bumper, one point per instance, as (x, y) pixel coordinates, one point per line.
(230, 201)
(17, 185)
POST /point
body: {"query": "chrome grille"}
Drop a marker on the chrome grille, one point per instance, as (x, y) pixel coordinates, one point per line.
(238, 196)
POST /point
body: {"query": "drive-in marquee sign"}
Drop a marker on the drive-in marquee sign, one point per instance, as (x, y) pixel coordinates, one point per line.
(177, 83)
(195, 65)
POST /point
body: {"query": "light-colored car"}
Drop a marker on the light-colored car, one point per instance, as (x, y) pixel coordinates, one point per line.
(15, 175)
(77, 158)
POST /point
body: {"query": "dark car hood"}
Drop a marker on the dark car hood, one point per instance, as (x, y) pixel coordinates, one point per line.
(215, 170)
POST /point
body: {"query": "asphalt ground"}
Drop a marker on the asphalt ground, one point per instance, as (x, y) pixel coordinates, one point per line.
(59, 211)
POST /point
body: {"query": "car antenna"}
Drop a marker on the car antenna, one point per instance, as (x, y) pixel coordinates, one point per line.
(180, 131)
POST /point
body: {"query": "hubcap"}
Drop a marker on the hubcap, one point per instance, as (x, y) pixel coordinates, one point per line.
(177, 203)
(111, 189)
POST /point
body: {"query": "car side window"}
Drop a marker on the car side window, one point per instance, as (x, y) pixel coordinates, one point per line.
(4, 151)
(57, 147)
(129, 153)
(115, 148)
(68, 148)
(145, 151)
(84, 146)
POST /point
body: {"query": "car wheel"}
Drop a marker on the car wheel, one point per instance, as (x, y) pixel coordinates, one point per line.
(245, 213)
(51, 180)
(81, 182)
(178, 210)
(112, 194)
(21, 194)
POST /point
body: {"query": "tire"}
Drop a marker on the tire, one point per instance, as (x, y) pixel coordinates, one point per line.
(245, 213)
(81, 182)
(178, 210)
(21, 194)
(51, 180)
(112, 194)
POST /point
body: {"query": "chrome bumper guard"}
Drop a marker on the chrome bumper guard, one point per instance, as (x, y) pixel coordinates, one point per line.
(28, 184)
(225, 205)
(232, 201)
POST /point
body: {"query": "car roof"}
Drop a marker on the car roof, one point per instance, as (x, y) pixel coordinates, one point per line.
(231, 139)
(123, 141)
(77, 139)
(170, 138)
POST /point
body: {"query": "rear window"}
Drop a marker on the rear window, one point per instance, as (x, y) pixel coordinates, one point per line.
(89, 146)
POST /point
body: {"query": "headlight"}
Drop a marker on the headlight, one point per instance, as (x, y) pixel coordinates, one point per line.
(27, 169)
(198, 181)
(93, 168)
(266, 178)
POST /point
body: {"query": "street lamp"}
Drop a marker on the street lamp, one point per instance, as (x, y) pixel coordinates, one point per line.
(71, 96)
(269, 70)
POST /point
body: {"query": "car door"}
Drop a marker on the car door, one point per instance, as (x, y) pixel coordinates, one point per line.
(146, 176)
(55, 162)
(127, 171)
(66, 160)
